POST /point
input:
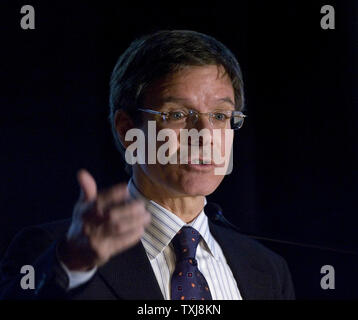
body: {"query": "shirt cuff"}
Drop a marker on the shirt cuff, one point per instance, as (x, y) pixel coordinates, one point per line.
(77, 278)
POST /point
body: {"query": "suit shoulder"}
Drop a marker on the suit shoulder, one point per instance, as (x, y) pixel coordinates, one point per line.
(249, 246)
(252, 243)
(243, 248)
(29, 243)
(56, 228)
(39, 233)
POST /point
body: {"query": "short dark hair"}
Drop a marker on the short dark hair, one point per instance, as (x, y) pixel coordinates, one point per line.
(156, 55)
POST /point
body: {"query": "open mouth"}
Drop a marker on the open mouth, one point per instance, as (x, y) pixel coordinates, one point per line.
(201, 162)
(201, 165)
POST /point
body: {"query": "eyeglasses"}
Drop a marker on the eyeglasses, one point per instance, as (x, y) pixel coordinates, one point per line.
(218, 119)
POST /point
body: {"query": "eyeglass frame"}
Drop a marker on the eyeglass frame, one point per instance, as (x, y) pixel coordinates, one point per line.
(165, 114)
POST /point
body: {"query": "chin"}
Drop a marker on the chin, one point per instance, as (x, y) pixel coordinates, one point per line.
(184, 182)
(199, 184)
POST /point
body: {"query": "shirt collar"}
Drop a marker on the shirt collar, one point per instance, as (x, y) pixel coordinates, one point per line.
(164, 226)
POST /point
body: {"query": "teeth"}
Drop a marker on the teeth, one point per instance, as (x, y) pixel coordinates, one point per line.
(199, 162)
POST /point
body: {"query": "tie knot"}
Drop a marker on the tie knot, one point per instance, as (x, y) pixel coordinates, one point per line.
(185, 243)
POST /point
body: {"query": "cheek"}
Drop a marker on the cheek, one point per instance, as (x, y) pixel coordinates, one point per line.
(227, 139)
(222, 147)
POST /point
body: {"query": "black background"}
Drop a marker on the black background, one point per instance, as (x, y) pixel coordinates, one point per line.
(295, 163)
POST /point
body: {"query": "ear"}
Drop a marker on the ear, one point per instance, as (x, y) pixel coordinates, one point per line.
(123, 122)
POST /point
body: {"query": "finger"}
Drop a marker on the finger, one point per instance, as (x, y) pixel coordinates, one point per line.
(125, 216)
(87, 185)
(113, 196)
(128, 217)
(130, 238)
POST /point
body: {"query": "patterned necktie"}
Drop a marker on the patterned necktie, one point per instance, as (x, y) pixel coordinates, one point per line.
(188, 283)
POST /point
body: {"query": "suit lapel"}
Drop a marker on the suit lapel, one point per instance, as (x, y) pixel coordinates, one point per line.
(252, 282)
(130, 275)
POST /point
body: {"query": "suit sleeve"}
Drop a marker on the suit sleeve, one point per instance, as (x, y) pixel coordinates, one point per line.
(287, 287)
(33, 246)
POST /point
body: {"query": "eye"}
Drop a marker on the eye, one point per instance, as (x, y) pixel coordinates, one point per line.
(220, 116)
(177, 115)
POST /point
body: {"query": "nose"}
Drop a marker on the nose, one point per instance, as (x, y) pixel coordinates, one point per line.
(201, 121)
(202, 124)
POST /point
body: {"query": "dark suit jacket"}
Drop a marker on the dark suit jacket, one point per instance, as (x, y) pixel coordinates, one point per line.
(260, 273)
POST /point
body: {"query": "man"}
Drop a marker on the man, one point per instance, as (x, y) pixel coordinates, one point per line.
(152, 238)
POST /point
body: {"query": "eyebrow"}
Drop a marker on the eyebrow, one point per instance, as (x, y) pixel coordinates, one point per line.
(227, 99)
(174, 99)
(184, 100)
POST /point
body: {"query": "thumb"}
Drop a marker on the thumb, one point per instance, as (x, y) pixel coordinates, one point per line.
(87, 185)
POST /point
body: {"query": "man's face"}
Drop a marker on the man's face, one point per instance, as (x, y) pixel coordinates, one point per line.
(204, 89)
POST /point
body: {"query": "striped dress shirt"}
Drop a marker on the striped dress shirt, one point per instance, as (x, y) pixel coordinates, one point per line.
(157, 243)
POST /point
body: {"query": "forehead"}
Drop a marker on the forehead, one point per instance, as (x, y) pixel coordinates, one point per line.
(192, 83)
